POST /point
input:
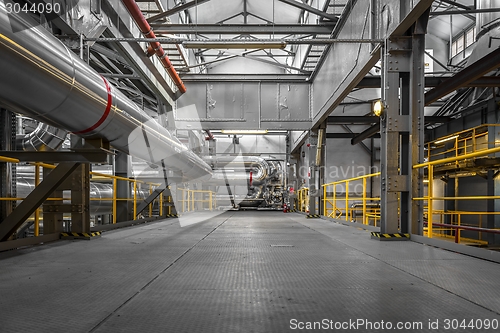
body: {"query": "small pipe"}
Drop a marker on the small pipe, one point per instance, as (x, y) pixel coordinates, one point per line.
(147, 32)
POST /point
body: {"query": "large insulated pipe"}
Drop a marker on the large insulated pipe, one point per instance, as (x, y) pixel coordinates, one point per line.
(43, 138)
(147, 32)
(42, 79)
(236, 170)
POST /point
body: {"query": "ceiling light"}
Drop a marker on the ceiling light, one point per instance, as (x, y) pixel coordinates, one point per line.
(244, 131)
(234, 45)
(446, 139)
(378, 108)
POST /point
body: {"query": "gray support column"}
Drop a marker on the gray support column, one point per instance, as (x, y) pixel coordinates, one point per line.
(80, 199)
(389, 156)
(417, 126)
(402, 132)
(123, 188)
(53, 221)
(314, 191)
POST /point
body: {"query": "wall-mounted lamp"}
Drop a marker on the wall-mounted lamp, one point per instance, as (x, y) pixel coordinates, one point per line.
(378, 108)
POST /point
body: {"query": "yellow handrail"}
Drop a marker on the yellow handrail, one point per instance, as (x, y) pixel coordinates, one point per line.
(330, 208)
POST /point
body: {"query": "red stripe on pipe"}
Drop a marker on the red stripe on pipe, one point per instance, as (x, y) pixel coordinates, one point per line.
(106, 111)
(251, 174)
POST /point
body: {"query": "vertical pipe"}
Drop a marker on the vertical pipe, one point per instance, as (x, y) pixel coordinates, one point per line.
(37, 211)
(429, 199)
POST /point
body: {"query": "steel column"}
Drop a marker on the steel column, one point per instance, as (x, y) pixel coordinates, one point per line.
(122, 188)
(52, 181)
(417, 128)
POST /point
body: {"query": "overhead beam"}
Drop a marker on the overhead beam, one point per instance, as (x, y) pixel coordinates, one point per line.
(310, 9)
(432, 81)
(345, 120)
(357, 120)
(31, 203)
(465, 12)
(176, 10)
(281, 78)
(241, 29)
(368, 133)
(347, 135)
(456, 4)
(473, 72)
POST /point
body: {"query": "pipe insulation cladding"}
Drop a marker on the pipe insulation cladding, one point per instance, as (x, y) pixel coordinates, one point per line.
(42, 79)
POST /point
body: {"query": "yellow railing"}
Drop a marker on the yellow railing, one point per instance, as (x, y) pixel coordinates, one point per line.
(332, 197)
(465, 142)
(114, 199)
(303, 200)
(448, 229)
(195, 200)
(431, 213)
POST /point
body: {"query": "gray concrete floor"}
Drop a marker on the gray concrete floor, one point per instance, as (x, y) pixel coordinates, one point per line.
(243, 272)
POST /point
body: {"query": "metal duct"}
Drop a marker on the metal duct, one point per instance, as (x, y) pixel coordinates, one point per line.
(44, 138)
(236, 169)
(44, 80)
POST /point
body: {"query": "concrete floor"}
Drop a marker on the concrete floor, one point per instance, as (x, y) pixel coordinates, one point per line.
(243, 272)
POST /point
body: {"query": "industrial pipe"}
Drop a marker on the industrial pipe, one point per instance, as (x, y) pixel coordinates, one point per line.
(236, 170)
(101, 194)
(147, 32)
(43, 138)
(42, 79)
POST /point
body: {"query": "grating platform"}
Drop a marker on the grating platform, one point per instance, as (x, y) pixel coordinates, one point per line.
(254, 271)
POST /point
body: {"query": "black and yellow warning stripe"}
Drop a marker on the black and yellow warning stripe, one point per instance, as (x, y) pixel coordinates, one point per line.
(172, 215)
(313, 216)
(381, 235)
(81, 234)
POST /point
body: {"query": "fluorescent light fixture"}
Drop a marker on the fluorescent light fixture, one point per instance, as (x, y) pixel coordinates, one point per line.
(237, 44)
(426, 180)
(244, 131)
(378, 108)
(446, 139)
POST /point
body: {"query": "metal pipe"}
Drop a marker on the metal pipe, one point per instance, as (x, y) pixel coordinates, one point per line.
(236, 169)
(44, 138)
(147, 32)
(101, 194)
(67, 93)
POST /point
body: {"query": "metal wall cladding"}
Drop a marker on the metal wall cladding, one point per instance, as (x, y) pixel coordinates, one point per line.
(245, 105)
(344, 60)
